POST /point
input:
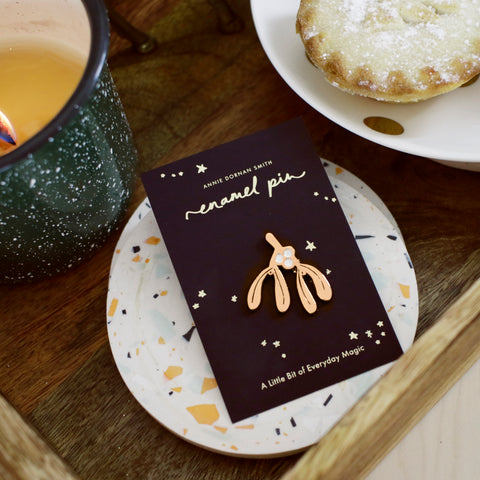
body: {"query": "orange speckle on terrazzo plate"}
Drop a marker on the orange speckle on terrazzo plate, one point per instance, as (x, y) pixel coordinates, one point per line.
(405, 289)
(113, 307)
(233, 447)
(152, 241)
(161, 340)
(163, 293)
(177, 389)
(250, 426)
(173, 371)
(338, 170)
(208, 384)
(221, 429)
(136, 258)
(205, 414)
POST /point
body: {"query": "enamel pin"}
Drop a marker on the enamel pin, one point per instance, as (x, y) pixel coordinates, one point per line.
(285, 257)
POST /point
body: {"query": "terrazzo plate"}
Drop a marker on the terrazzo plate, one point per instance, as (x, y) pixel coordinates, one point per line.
(445, 128)
(161, 359)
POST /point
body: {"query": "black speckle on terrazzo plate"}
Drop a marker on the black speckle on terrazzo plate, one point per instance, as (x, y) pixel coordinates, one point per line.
(362, 237)
(187, 336)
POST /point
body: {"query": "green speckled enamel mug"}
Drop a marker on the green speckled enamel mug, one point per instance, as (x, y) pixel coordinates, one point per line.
(64, 190)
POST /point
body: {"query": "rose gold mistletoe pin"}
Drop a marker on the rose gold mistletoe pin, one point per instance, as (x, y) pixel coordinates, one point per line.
(285, 257)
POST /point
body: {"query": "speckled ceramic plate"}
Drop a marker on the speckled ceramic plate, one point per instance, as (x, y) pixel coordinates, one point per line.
(445, 128)
(162, 361)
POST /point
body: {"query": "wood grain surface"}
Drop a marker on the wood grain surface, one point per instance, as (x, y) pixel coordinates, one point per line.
(23, 454)
(197, 89)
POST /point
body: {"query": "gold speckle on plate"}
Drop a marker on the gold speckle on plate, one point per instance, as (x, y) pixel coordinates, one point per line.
(471, 81)
(384, 125)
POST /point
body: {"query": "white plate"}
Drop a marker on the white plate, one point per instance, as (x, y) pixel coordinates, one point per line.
(147, 319)
(445, 128)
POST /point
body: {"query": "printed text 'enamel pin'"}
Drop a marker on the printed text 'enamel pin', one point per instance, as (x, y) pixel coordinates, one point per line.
(285, 257)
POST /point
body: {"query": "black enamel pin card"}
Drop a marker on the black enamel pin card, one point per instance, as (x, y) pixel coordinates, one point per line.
(273, 277)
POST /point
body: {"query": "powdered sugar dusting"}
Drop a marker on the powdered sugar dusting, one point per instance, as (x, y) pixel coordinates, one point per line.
(355, 11)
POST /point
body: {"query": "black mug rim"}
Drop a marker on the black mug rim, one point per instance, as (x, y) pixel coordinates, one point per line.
(99, 44)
